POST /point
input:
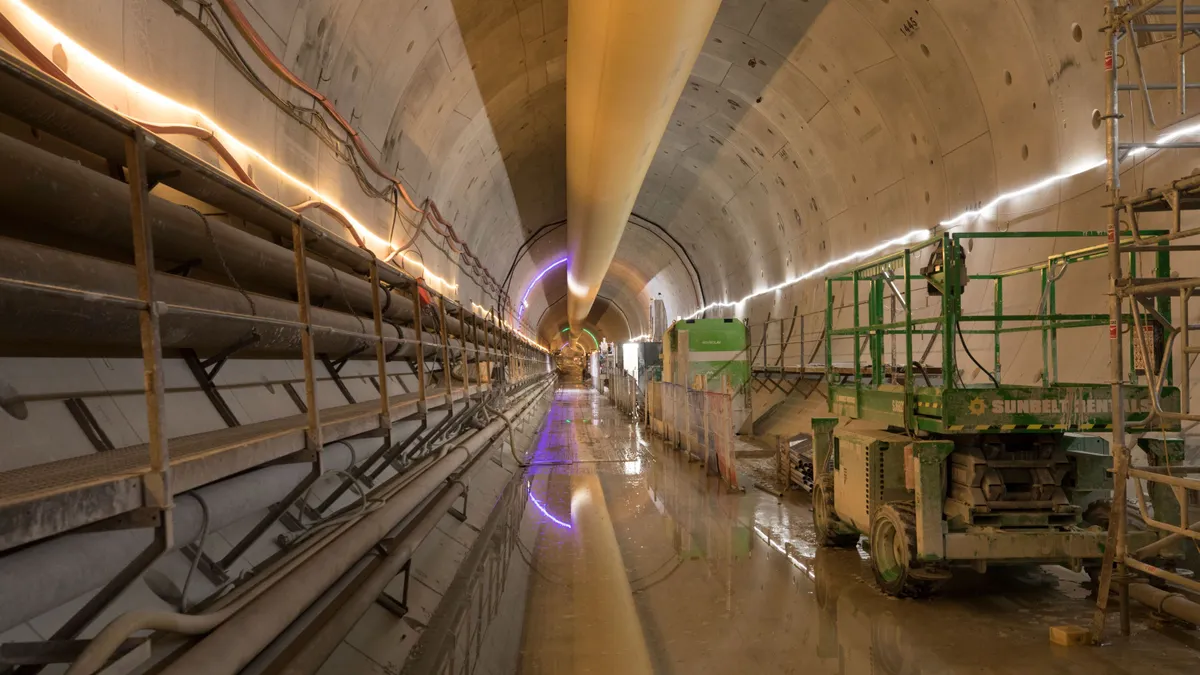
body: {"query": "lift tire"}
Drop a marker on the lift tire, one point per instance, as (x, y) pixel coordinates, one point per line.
(894, 552)
(830, 531)
(1097, 513)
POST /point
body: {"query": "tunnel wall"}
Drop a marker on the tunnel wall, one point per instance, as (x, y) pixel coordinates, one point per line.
(813, 130)
(808, 129)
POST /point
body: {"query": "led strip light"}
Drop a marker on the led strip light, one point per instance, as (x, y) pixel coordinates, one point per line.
(951, 223)
(529, 289)
(94, 68)
(105, 83)
(911, 237)
(590, 334)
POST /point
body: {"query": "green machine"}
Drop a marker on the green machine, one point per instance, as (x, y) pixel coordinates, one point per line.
(713, 351)
(937, 473)
(711, 348)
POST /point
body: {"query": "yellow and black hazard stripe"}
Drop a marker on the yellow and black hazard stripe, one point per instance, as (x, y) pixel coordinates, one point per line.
(1029, 427)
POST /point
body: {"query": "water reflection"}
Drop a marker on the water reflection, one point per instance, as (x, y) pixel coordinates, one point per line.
(634, 560)
(540, 507)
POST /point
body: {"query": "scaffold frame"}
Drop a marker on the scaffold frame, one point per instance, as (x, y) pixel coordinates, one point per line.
(1149, 303)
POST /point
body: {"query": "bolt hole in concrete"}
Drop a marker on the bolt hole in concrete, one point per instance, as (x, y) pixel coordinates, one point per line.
(1024, 152)
(924, 50)
(1007, 77)
(1076, 32)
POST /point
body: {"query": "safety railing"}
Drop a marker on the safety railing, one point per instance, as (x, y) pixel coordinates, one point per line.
(894, 278)
(788, 344)
(48, 106)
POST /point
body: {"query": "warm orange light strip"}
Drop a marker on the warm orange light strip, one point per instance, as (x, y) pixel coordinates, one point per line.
(127, 96)
(487, 314)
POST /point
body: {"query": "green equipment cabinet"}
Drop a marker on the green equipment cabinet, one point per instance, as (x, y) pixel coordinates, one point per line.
(709, 354)
(939, 474)
(710, 348)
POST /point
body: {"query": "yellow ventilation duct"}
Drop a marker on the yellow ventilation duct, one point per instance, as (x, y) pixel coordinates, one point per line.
(627, 63)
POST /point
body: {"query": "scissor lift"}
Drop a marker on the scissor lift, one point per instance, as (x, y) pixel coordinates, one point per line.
(938, 473)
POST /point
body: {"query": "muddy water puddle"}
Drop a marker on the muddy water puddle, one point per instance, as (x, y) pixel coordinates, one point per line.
(613, 554)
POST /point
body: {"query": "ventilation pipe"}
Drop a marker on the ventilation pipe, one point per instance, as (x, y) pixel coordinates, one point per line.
(627, 63)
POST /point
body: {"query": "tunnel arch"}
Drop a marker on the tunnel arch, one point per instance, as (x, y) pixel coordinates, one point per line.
(807, 131)
(662, 249)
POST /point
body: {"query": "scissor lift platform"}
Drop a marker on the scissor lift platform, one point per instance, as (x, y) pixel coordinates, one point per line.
(938, 472)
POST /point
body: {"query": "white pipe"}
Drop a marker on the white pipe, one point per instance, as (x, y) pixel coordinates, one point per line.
(48, 574)
(1166, 602)
(627, 64)
(244, 627)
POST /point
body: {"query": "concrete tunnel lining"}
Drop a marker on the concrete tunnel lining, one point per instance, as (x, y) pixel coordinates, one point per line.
(776, 158)
(806, 132)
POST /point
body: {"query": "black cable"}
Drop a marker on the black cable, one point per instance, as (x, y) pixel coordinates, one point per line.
(395, 212)
(341, 149)
(198, 543)
(924, 373)
(212, 240)
(672, 559)
(963, 341)
(666, 576)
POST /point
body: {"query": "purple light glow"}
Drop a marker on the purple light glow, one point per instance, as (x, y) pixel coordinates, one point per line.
(541, 508)
(529, 288)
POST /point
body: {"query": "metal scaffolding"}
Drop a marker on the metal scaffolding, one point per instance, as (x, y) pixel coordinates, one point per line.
(137, 485)
(1159, 335)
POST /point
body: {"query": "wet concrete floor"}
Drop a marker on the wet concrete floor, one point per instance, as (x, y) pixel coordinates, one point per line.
(636, 562)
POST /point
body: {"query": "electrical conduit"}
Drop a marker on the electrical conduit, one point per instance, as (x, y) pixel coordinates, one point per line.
(248, 624)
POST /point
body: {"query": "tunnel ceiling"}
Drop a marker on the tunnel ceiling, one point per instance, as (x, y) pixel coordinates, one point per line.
(812, 129)
(808, 129)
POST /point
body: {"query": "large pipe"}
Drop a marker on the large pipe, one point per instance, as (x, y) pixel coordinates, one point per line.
(56, 201)
(317, 645)
(40, 577)
(43, 318)
(1165, 601)
(236, 641)
(319, 626)
(627, 64)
